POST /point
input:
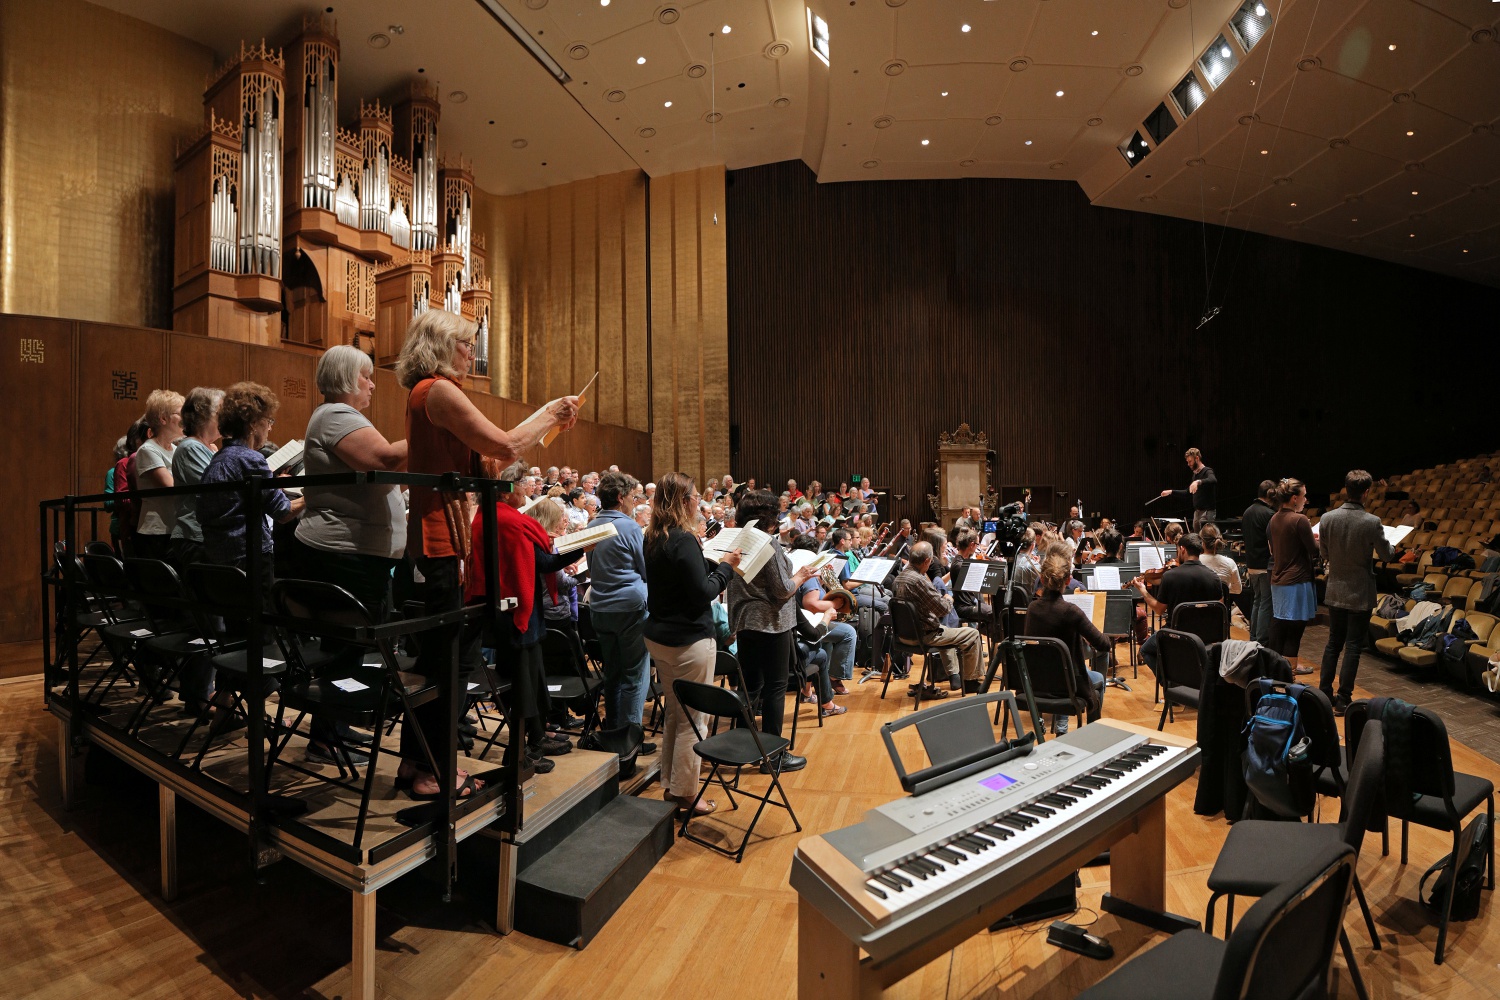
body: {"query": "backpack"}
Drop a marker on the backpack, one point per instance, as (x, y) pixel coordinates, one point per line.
(1276, 744)
(1470, 874)
(1419, 591)
(1445, 555)
(1391, 607)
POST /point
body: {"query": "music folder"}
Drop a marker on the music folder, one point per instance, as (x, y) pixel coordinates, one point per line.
(978, 577)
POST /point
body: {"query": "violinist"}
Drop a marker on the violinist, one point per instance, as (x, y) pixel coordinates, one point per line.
(1184, 583)
(1111, 544)
(972, 608)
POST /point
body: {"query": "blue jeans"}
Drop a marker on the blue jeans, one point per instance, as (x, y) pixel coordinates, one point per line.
(840, 642)
(1260, 610)
(627, 665)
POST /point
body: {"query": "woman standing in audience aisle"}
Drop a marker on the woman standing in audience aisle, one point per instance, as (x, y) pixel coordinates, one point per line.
(679, 632)
(762, 614)
(246, 417)
(200, 426)
(153, 470)
(1294, 553)
(444, 431)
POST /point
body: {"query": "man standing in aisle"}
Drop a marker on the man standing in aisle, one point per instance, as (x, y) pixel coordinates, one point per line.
(1347, 537)
(1258, 560)
(1203, 490)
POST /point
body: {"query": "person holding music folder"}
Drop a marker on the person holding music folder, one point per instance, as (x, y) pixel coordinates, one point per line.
(762, 614)
(1184, 583)
(1202, 490)
(679, 633)
(444, 433)
(1346, 537)
(915, 587)
(840, 639)
(1050, 616)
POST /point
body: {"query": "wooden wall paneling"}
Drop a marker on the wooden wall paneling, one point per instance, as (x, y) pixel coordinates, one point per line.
(388, 405)
(610, 307)
(1069, 334)
(118, 366)
(557, 320)
(291, 377)
(636, 331)
(664, 314)
(585, 296)
(536, 267)
(193, 361)
(687, 330)
(713, 338)
(37, 371)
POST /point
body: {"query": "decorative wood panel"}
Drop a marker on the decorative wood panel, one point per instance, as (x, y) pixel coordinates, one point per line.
(194, 361)
(866, 318)
(117, 368)
(689, 326)
(291, 376)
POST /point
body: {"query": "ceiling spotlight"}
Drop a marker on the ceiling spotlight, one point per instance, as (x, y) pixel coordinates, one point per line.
(1411, 236)
(965, 29)
(1028, 142)
(1391, 48)
(1353, 220)
(1466, 251)
(604, 3)
(1094, 32)
(1265, 152)
(1411, 133)
(725, 29)
(667, 105)
(924, 142)
(1260, 10)
(945, 93)
(1059, 93)
(1414, 192)
(640, 60)
(1224, 51)
(1294, 204)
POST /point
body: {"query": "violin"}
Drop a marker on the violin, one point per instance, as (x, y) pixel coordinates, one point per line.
(1152, 577)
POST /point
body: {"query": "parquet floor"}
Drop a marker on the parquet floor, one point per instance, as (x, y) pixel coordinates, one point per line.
(80, 915)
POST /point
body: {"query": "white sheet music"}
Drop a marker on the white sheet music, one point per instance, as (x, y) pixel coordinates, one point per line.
(974, 577)
(1151, 558)
(1106, 578)
(817, 560)
(754, 545)
(872, 571)
(1395, 532)
(1083, 602)
(1171, 520)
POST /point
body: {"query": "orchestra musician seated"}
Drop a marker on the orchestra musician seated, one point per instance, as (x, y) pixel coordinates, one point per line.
(914, 587)
(1184, 583)
(1050, 616)
(1111, 544)
(972, 608)
(816, 597)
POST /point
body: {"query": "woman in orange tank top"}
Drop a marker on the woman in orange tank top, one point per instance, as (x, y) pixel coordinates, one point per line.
(445, 432)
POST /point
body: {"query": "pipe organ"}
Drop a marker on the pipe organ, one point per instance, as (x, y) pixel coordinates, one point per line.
(294, 228)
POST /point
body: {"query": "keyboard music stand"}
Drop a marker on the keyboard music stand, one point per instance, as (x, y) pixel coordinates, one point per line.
(959, 739)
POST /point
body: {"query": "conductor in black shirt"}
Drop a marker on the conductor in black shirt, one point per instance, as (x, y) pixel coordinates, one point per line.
(1203, 490)
(1184, 583)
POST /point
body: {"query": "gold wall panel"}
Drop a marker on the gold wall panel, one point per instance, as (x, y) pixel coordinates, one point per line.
(568, 266)
(689, 324)
(92, 105)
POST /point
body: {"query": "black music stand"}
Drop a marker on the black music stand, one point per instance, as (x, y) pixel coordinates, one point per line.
(1119, 619)
(959, 739)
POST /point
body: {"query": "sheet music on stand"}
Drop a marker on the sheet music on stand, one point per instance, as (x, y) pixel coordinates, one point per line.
(1150, 558)
(876, 571)
(1105, 578)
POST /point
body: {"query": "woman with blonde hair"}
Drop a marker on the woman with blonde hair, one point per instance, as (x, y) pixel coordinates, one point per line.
(445, 433)
(680, 588)
(153, 470)
(1049, 615)
(201, 436)
(1224, 567)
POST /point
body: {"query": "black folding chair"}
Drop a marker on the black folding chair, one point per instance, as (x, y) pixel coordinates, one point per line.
(180, 634)
(568, 672)
(1043, 680)
(1183, 671)
(909, 637)
(1282, 949)
(1257, 851)
(740, 746)
(127, 632)
(1325, 754)
(1208, 620)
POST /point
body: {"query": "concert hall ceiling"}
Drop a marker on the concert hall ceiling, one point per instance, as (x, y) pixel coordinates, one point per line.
(1371, 126)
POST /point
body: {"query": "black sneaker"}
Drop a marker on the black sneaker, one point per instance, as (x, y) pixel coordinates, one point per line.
(322, 753)
(1340, 706)
(539, 763)
(648, 748)
(551, 748)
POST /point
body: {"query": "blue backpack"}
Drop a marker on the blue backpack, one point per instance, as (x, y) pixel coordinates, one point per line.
(1275, 744)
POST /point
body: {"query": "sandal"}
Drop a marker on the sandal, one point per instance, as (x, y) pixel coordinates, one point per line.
(838, 688)
(408, 785)
(832, 709)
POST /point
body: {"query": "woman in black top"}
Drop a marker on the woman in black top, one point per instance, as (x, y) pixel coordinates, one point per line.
(680, 588)
(1050, 615)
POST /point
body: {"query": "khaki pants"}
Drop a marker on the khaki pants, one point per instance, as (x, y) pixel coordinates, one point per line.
(679, 765)
(966, 641)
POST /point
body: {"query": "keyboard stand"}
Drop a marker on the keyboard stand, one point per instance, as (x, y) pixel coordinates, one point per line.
(830, 965)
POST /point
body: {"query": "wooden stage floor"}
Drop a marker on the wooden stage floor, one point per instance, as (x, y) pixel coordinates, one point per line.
(80, 913)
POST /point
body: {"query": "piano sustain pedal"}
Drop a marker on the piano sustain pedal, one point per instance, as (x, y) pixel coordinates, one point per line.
(1075, 938)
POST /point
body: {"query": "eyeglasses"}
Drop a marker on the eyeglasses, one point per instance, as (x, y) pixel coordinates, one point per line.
(467, 345)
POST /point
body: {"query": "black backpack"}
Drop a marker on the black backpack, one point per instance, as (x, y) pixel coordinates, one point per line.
(1276, 744)
(1470, 874)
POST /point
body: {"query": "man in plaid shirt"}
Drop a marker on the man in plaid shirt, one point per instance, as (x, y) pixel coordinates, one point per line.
(914, 587)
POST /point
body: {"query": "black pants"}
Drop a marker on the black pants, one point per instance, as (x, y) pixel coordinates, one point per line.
(528, 691)
(1346, 629)
(1286, 636)
(441, 592)
(765, 658)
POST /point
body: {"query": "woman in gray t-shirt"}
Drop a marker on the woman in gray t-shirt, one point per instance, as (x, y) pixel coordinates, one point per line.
(355, 534)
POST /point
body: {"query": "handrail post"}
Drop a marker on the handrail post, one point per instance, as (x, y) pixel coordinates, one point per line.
(255, 698)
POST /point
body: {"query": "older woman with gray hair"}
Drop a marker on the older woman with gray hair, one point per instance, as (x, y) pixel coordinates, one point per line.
(200, 427)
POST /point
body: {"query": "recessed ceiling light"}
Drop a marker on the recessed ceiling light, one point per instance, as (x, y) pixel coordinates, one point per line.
(1411, 236)
(725, 29)
(1260, 10)
(1414, 192)
(1028, 142)
(1466, 251)
(1391, 48)
(1224, 51)
(1265, 152)
(1411, 133)
(1094, 32)
(924, 142)
(1294, 204)
(604, 3)
(945, 93)
(1353, 220)
(964, 29)
(640, 60)
(667, 105)
(1059, 93)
